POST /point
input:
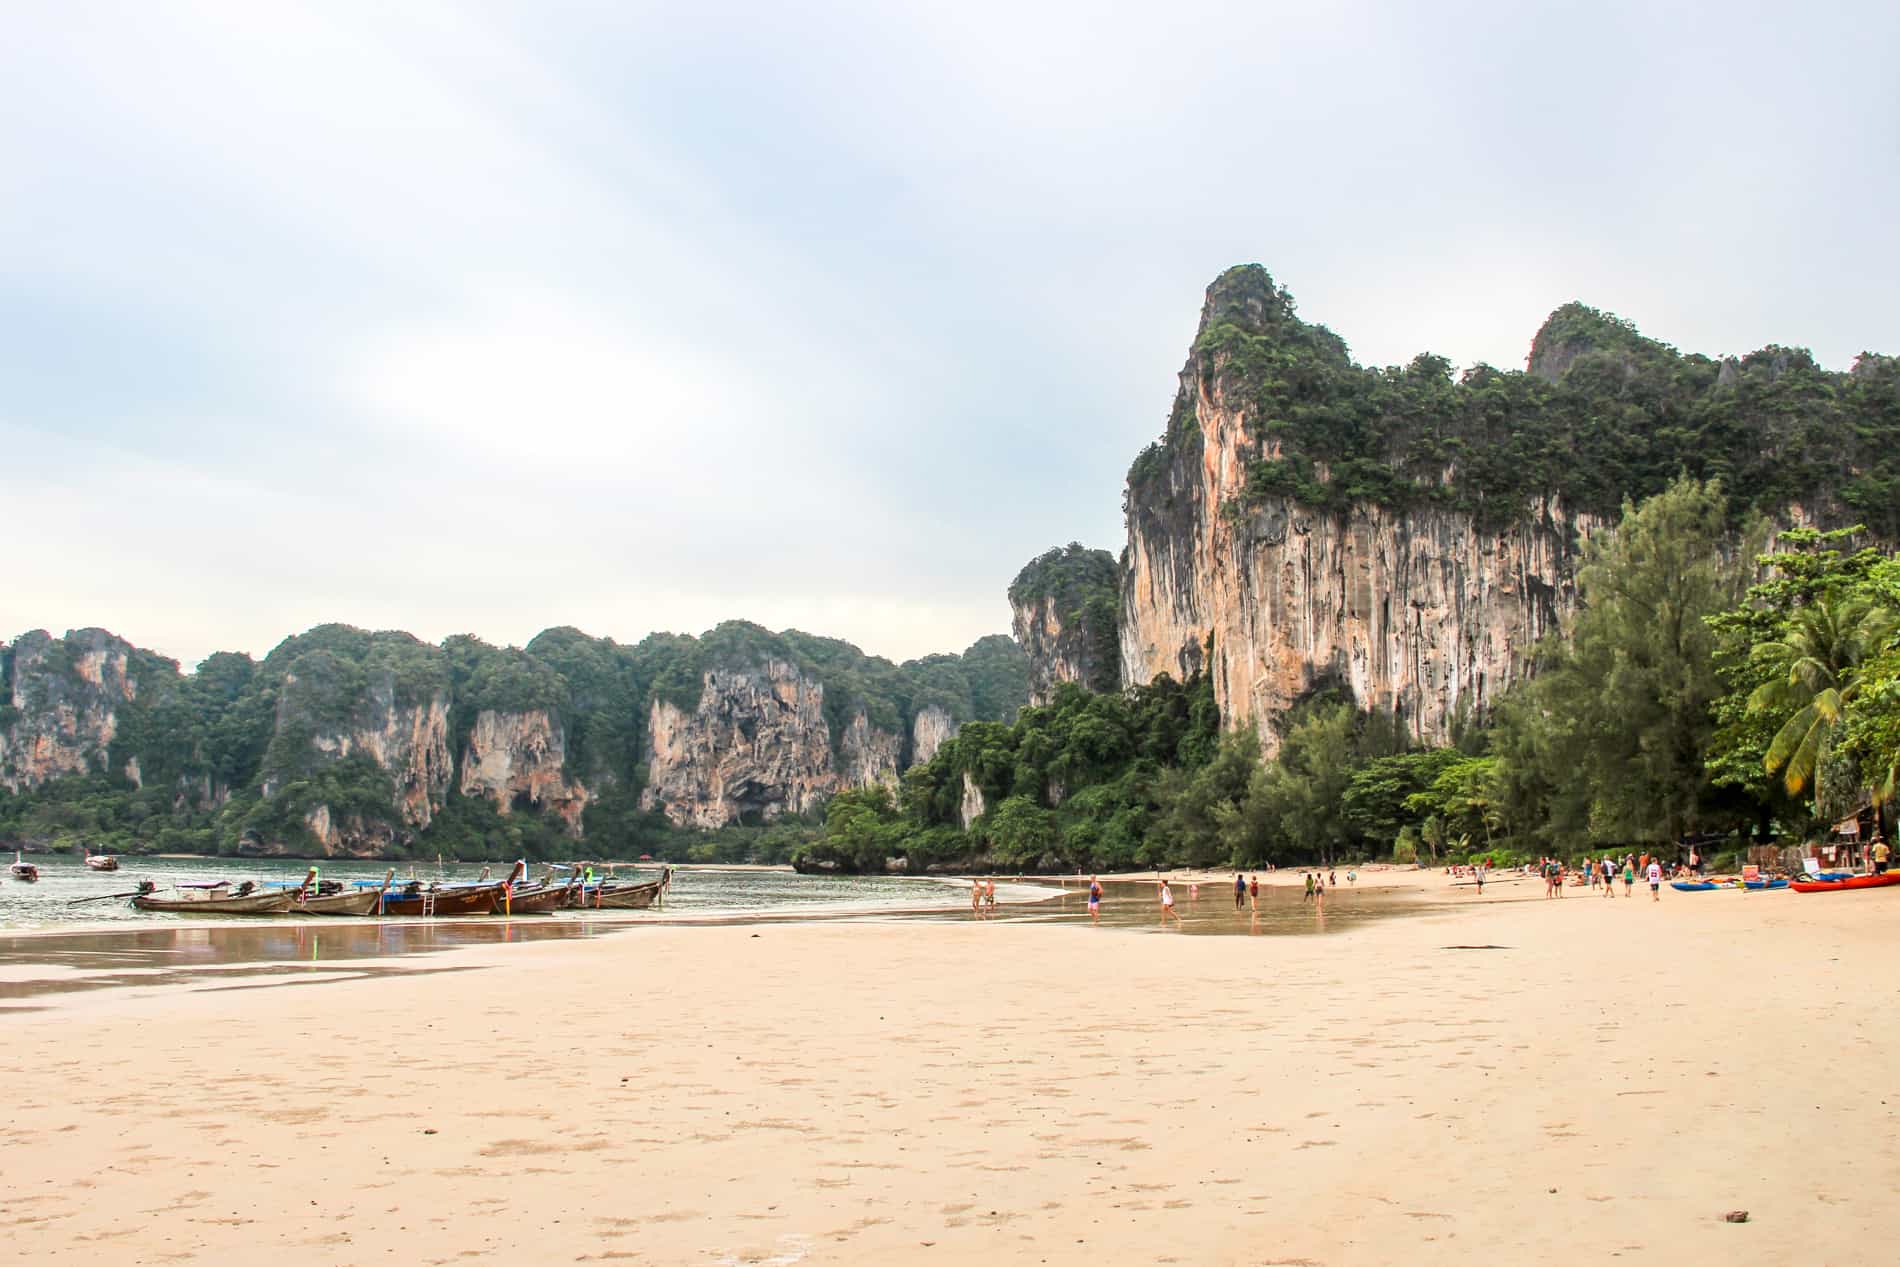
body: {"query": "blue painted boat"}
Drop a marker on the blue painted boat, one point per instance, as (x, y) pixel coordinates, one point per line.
(1693, 886)
(1765, 884)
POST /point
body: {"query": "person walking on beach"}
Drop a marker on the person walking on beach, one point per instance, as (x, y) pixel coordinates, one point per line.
(1253, 890)
(1095, 900)
(1477, 873)
(1240, 890)
(976, 898)
(1654, 875)
(1609, 877)
(1309, 888)
(989, 894)
(1167, 904)
(1332, 877)
(1629, 874)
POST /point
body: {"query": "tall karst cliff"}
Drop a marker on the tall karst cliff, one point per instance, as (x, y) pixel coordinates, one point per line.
(346, 742)
(1410, 536)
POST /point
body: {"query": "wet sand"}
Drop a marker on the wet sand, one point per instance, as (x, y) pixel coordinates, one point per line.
(1502, 1079)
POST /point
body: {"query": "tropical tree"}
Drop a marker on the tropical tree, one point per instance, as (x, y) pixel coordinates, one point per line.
(1816, 674)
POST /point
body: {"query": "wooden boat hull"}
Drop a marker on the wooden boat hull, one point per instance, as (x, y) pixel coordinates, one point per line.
(470, 901)
(535, 901)
(25, 875)
(102, 864)
(1852, 882)
(632, 897)
(362, 902)
(250, 904)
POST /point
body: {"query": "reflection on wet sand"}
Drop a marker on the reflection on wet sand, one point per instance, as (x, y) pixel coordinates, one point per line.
(1280, 911)
(231, 954)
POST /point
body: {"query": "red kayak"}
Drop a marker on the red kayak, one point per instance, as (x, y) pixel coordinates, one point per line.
(1851, 882)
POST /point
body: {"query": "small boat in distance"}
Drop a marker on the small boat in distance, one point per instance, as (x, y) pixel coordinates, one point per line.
(23, 870)
(99, 861)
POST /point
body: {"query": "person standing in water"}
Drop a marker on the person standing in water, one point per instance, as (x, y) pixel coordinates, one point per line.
(976, 898)
(1309, 888)
(1240, 890)
(1253, 890)
(989, 894)
(1167, 904)
(1095, 900)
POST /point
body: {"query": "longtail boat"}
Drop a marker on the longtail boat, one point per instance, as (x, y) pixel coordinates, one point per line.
(99, 861)
(365, 900)
(1851, 882)
(23, 870)
(610, 896)
(540, 899)
(414, 898)
(208, 899)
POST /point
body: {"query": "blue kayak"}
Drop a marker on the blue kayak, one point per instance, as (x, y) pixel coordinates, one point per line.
(1765, 884)
(1693, 886)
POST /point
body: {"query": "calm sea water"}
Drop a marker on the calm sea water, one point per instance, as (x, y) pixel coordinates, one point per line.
(711, 891)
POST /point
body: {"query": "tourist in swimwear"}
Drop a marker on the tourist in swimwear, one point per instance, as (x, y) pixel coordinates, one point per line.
(1629, 874)
(1167, 904)
(1095, 900)
(1240, 890)
(1253, 890)
(989, 895)
(976, 898)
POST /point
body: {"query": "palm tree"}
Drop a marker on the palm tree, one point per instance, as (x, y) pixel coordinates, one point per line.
(1816, 666)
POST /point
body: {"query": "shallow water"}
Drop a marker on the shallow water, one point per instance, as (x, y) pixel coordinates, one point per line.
(696, 891)
(1282, 909)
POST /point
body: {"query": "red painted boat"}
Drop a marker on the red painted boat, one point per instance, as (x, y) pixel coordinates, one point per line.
(1851, 882)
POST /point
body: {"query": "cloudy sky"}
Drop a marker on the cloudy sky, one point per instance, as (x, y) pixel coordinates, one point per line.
(489, 317)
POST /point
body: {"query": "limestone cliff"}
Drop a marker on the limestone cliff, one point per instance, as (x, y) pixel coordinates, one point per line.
(63, 697)
(928, 730)
(1064, 610)
(348, 730)
(757, 745)
(521, 759)
(1425, 610)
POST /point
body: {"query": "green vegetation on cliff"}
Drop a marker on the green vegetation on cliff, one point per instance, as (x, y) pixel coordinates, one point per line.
(1680, 702)
(1082, 589)
(371, 729)
(1603, 414)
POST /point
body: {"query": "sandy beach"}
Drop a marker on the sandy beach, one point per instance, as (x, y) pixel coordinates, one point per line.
(1504, 1080)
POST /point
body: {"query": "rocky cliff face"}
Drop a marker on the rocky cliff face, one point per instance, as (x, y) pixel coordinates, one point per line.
(63, 698)
(1063, 613)
(407, 740)
(521, 759)
(756, 746)
(1420, 611)
(928, 730)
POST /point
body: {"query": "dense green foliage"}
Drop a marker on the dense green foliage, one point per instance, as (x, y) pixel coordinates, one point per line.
(1681, 702)
(1603, 415)
(241, 755)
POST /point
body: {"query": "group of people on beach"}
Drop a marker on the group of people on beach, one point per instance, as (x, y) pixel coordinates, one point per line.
(1603, 872)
